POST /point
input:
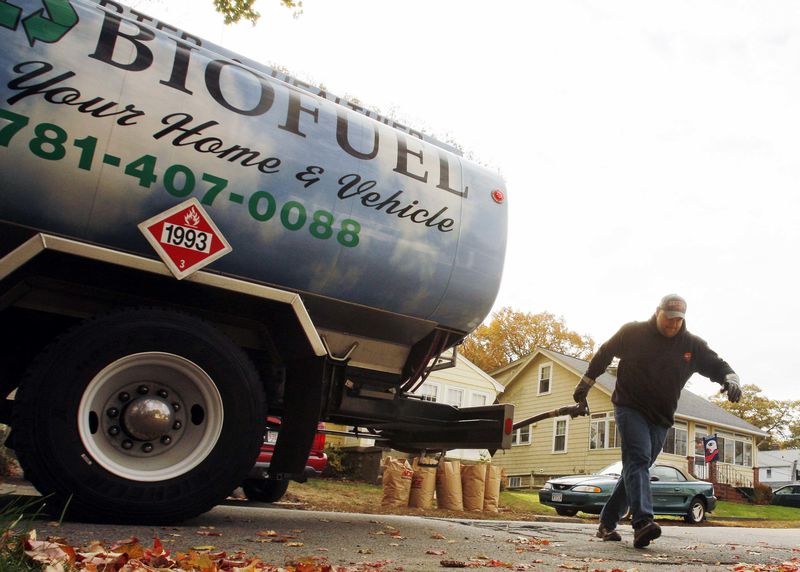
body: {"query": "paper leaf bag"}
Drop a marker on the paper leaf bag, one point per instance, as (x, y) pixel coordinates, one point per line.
(473, 483)
(491, 496)
(448, 486)
(423, 483)
(396, 482)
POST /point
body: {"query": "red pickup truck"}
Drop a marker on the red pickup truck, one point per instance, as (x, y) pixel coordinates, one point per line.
(258, 487)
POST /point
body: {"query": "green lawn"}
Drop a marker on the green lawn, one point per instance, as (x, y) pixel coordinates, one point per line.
(525, 501)
(766, 511)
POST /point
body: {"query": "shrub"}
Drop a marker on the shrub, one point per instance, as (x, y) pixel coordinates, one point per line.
(337, 463)
(762, 494)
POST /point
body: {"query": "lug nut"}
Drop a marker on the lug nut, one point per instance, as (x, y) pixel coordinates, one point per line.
(127, 444)
(177, 425)
(176, 407)
(147, 447)
(142, 390)
(113, 430)
(124, 396)
(112, 412)
(162, 393)
(166, 440)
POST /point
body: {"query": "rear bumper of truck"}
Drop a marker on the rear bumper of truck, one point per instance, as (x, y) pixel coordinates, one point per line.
(408, 423)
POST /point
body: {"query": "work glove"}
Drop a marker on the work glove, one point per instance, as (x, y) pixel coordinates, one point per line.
(731, 386)
(582, 389)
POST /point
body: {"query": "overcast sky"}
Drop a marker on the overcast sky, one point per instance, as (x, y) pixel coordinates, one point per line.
(648, 147)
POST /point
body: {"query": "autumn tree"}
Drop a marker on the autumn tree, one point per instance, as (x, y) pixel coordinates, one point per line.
(236, 10)
(511, 334)
(793, 439)
(779, 418)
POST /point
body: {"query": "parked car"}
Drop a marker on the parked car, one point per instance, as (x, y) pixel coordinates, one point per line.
(788, 495)
(258, 487)
(673, 492)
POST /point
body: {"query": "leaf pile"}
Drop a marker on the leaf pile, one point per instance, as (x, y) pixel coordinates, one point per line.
(55, 555)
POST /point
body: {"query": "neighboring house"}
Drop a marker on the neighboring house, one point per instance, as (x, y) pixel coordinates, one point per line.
(778, 468)
(464, 385)
(545, 380)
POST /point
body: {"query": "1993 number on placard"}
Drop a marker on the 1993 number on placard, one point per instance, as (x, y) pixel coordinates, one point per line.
(187, 237)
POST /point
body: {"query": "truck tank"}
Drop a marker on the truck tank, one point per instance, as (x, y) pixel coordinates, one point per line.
(360, 250)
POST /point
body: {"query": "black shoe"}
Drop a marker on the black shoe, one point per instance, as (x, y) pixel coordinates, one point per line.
(645, 533)
(608, 534)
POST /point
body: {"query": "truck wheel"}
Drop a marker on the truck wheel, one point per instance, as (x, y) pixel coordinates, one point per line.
(265, 490)
(142, 416)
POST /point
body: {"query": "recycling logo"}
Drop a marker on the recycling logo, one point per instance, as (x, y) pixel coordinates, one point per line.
(48, 24)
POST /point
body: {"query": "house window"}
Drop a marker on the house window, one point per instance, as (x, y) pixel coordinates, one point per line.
(700, 469)
(603, 432)
(521, 436)
(560, 435)
(544, 378)
(514, 482)
(735, 449)
(769, 473)
(677, 439)
(429, 392)
(700, 431)
(454, 396)
(478, 399)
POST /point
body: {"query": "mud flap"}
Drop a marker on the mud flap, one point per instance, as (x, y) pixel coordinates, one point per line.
(305, 386)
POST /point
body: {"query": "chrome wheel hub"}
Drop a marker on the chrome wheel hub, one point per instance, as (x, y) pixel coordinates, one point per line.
(150, 416)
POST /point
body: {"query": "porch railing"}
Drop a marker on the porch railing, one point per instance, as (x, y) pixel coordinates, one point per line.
(722, 473)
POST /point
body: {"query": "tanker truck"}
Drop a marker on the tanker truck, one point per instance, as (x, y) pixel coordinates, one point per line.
(191, 241)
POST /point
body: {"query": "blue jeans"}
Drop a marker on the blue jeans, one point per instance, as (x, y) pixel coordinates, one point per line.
(642, 441)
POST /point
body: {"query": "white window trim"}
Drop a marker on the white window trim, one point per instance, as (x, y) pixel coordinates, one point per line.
(438, 387)
(564, 418)
(454, 389)
(514, 482)
(679, 426)
(609, 416)
(733, 438)
(484, 394)
(539, 378)
(522, 443)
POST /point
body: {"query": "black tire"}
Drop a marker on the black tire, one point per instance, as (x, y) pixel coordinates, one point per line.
(203, 434)
(566, 511)
(265, 490)
(697, 511)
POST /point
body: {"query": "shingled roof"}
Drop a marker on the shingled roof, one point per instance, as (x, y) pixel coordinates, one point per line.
(690, 406)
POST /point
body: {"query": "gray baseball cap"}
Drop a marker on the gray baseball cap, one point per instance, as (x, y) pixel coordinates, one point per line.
(673, 305)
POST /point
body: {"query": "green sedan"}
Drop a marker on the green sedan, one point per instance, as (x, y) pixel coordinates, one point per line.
(673, 492)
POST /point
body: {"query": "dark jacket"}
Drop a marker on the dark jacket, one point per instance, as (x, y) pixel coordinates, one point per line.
(654, 368)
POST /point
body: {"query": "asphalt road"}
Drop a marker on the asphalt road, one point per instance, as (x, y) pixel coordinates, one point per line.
(390, 543)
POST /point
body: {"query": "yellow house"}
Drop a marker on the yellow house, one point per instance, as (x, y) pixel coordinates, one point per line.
(545, 380)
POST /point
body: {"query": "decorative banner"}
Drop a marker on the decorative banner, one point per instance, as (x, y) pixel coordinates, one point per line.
(710, 445)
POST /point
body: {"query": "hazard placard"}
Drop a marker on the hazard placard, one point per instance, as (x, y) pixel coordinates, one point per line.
(185, 238)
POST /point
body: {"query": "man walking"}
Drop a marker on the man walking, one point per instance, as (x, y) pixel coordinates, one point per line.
(657, 358)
